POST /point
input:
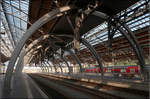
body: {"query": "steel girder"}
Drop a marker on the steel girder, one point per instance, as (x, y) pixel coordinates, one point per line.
(54, 66)
(94, 53)
(35, 42)
(40, 65)
(130, 36)
(20, 64)
(49, 65)
(46, 67)
(57, 64)
(64, 59)
(133, 46)
(76, 58)
(60, 67)
(41, 68)
(46, 18)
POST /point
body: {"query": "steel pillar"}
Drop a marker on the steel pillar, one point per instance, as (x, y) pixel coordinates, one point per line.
(54, 66)
(41, 68)
(130, 36)
(46, 67)
(65, 60)
(94, 53)
(77, 59)
(50, 66)
(46, 18)
(60, 68)
(20, 63)
(133, 46)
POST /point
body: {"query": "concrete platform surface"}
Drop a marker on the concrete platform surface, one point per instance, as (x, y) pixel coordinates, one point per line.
(23, 87)
(132, 84)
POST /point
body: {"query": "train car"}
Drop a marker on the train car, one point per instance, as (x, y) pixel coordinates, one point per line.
(94, 70)
(130, 71)
(123, 71)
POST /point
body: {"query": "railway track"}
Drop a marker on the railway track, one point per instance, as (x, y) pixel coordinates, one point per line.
(81, 89)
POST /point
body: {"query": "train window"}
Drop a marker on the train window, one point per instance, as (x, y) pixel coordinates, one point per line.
(123, 70)
(132, 70)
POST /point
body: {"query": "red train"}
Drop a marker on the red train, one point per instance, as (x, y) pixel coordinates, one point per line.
(130, 71)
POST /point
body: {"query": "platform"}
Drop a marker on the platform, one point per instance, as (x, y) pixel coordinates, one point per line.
(23, 87)
(118, 89)
(136, 84)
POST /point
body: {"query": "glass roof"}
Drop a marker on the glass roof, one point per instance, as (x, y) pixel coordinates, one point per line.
(14, 15)
(100, 33)
(14, 18)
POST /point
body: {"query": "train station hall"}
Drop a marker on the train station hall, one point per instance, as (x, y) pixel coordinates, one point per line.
(75, 49)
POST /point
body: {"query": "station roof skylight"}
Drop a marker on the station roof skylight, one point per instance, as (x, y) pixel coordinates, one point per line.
(139, 20)
(14, 15)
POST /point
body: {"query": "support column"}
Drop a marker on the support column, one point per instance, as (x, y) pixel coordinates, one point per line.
(94, 53)
(46, 67)
(49, 65)
(133, 47)
(54, 67)
(20, 64)
(39, 23)
(130, 36)
(133, 37)
(65, 60)
(77, 59)
(44, 70)
(60, 68)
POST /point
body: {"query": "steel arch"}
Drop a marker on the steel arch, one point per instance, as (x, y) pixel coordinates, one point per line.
(93, 51)
(47, 17)
(49, 65)
(63, 58)
(76, 58)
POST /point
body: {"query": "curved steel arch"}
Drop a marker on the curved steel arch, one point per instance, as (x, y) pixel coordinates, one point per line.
(46, 18)
(28, 49)
(93, 51)
(19, 67)
(49, 66)
(41, 68)
(54, 66)
(63, 58)
(130, 36)
(57, 64)
(46, 67)
(76, 58)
